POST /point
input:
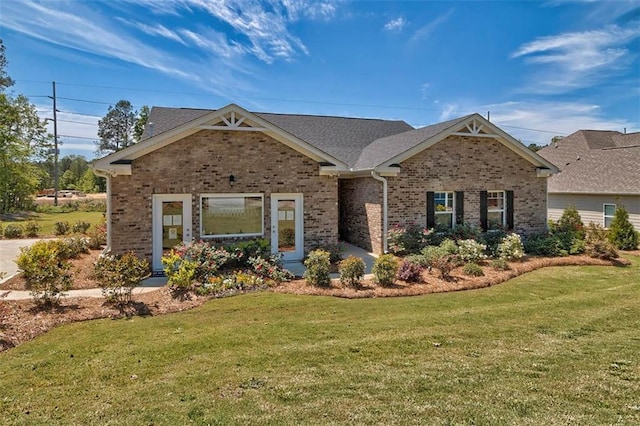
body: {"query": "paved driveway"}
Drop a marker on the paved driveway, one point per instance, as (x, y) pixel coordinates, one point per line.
(9, 251)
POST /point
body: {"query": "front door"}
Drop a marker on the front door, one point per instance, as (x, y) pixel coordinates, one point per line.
(287, 237)
(171, 224)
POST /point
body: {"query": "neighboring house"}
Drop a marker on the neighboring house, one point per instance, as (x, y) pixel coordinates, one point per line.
(301, 180)
(599, 170)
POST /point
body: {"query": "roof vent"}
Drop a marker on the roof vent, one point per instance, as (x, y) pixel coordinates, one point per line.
(151, 129)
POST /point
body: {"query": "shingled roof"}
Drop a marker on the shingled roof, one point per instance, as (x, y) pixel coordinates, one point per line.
(595, 161)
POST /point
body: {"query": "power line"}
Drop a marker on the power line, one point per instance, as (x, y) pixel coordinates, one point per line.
(78, 122)
(77, 137)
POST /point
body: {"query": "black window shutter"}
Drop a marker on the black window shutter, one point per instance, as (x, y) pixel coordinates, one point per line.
(459, 207)
(509, 210)
(431, 210)
(483, 210)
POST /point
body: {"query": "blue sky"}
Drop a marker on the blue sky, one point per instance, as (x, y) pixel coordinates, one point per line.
(540, 67)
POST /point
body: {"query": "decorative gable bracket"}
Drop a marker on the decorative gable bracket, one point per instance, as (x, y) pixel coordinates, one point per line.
(475, 129)
(232, 121)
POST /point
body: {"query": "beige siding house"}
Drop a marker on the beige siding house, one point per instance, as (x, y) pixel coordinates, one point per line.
(301, 181)
(600, 170)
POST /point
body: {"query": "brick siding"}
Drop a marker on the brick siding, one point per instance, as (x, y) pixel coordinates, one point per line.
(361, 213)
(201, 163)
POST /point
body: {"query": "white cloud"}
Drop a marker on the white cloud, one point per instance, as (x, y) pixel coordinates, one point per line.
(447, 112)
(426, 30)
(579, 59)
(396, 24)
(154, 30)
(424, 89)
(538, 122)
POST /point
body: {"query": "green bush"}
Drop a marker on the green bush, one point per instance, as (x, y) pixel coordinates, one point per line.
(13, 231)
(492, 239)
(351, 270)
(621, 232)
(75, 246)
(81, 227)
(118, 275)
(500, 265)
(270, 268)
(385, 269)
(569, 232)
(419, 259)
(45, 270)
(471, 251)
(473, 270)
(407, 239)
(335, 250)
(598, 244)
(318, 264)
(61, 228)
(180, 272)
(544, 245)
(511, 248)
(97, 236)
(32, 229)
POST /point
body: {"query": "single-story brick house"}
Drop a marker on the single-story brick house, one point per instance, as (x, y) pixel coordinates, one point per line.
(599, 171)
(302, 180)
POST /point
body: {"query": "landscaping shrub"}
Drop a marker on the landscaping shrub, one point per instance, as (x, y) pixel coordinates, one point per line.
(207, 258)
(511, 248)
(180, 272)
(351, 270)
(500, 265)
(544, 245)
(569, 231)
(444, 257)
(317, 264)
(492, 239)
(473, 270)
(598, 244)
(419, 259)
(81, 227)
(621, 231)
(270, 268)
(407, 239)
(471, 251)
(410, 271)
(74, 246)
(385, 269)
(61, 228)
(246, 249)
(465, 232)
(45, 271)
(13, 231)
(118, 275)
(97, 236)
(335, 250)
(237, 281)
(32, 229)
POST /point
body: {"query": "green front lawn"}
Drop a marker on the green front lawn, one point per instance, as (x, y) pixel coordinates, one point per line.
(48, 220)
(557, 346)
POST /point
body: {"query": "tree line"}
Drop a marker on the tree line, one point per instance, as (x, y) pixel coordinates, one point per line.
(26, 159)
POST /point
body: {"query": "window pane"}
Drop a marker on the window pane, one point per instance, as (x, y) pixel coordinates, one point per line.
(495, 219)
(495, 200)
(444, 220)
(607, 221)
(231, 215)
(443, 201)
(609, 209)
(286, 225)
(171, 224)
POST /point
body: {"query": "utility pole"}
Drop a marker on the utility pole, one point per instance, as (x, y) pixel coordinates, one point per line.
(55, 147)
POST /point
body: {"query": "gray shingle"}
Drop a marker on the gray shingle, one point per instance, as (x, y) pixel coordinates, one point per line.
(593, 161)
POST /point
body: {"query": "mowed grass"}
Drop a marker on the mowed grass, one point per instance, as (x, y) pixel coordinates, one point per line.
(47, 220)
(557, 346)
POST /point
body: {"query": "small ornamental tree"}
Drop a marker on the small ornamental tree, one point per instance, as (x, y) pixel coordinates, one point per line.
(621, 232)
(118, 275)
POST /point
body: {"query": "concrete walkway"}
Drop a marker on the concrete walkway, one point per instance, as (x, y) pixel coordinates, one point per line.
(10, 249)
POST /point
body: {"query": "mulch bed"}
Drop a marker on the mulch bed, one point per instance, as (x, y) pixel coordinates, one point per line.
(22, 320)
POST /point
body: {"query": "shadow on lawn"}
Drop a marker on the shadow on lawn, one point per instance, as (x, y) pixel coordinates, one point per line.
(130, 309)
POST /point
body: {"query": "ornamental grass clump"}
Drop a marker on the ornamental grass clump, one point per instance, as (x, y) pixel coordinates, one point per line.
(318, 264)
(385, 269)
(351, 271)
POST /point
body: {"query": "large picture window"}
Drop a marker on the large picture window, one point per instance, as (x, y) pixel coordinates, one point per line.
(444, 209)
(496, 210)
(231, 215)
(609, 211)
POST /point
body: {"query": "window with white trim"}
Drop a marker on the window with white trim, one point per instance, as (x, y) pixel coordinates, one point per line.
(444, 206)
(496, 209)
(231, 215)
(608, 212)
